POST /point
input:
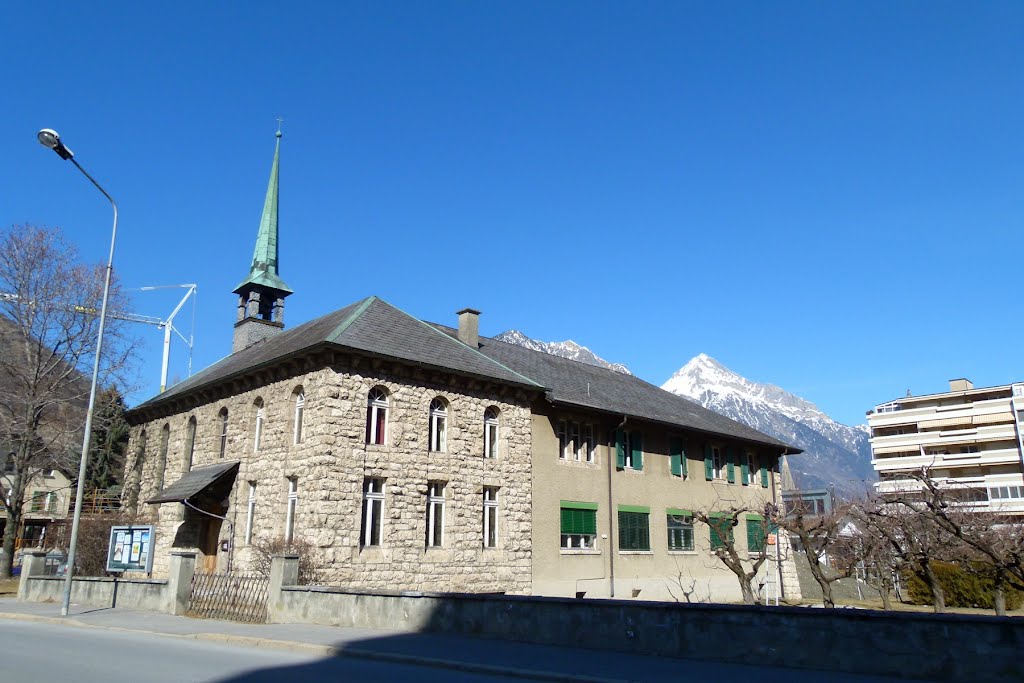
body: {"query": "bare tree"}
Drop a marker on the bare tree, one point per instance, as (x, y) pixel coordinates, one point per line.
(48, 331)
(821, 536)
(743, 562)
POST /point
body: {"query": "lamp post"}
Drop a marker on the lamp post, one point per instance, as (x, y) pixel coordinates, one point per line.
(49, 138)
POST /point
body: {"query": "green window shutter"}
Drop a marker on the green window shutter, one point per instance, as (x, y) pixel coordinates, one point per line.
(755, 534)
(709, 464)
(675, 453)
(578, 521)
(716, 540)
(721, 528)
(764, 476)
(730, 467)
(638, 450)
(744, 468)
(634, 530)
(620, 450)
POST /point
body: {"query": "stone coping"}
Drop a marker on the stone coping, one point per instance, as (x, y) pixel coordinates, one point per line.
(100, 579)
(808, 612)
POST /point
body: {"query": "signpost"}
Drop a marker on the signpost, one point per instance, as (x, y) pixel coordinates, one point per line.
(130, 549)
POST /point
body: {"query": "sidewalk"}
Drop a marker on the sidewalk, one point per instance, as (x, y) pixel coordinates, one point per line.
(485, 656)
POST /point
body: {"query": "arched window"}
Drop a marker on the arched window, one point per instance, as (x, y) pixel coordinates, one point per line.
(223, 432)
(161, 465)
(438, 425)
(300, 404)
(377, 416)
(190, 442)
(491, 433)
(258, 405)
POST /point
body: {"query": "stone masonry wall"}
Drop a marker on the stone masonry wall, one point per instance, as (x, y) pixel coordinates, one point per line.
(331, 463)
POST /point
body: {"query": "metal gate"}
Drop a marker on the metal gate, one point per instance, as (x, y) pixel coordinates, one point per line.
(236, 597)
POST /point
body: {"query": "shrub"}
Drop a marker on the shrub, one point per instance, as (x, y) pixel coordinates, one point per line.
(264, 549)
(963, 587)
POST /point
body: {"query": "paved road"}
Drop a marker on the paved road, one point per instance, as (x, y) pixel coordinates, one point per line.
(47, 652)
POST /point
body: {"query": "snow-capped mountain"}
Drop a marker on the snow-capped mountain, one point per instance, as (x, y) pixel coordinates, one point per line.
(565, 349)
(834, 453)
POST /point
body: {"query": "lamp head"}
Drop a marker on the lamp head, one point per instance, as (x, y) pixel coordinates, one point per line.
(49, 138)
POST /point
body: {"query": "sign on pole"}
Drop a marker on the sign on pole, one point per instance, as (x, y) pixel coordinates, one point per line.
(130, 549)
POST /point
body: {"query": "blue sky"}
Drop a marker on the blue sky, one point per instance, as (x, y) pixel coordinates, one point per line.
(825, 196)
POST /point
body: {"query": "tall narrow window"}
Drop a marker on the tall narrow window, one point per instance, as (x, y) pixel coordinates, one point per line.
(438, 425)
(250, 512)
(718, 462)
(259, 426)
(574, 440)
(223, 432)
(435, 514)
(491, 433)
(490, 516)
(586, 449)
(190, 442)
(300, 403)
(377, 417)
(373, 512)
(161, 465)
(563, 440)
(289, 519)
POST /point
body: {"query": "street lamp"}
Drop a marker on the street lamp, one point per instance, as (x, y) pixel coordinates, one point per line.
(50, 138)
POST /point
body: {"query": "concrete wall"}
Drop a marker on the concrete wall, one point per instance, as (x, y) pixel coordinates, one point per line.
(851, 641)
(135, 593)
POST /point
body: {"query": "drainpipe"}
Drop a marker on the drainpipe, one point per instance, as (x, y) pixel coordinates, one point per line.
(611, 516)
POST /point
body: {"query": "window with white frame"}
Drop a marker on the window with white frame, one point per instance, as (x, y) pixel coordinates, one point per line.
(1005, 492)
(574, 440)
(438, 425)
(250, 514)
(490, 516)
(223, 432)
(627, 449)
(586, 447)
(300, 407)
(751, 462)
(578, 525)
(563, 440)
(371, 527)
(289, 519)
(259, 426)
(377, 417)
(435, 514)
(717, 462)
(491, 433)
(680, 530)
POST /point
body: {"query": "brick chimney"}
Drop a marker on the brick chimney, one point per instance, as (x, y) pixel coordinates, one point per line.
(469, 327)
(959, 384)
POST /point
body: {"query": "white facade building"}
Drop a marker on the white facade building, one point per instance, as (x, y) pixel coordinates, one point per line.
(967, 438)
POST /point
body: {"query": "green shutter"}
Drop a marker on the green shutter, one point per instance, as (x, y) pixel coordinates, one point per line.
(638, 450)
(709, 464)
(634, 530)
(634, 508)
(677, 457)
(764, 476)
(720, 525)
(578, 505)
(577, 521)
(730, 468)
(620, 450)
(755, 533)
(744, 468)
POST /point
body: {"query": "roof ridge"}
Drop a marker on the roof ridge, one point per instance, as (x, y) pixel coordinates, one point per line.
(347, 322)
(431, 327)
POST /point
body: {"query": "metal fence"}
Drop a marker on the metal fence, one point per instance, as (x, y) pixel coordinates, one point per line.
(229, 596)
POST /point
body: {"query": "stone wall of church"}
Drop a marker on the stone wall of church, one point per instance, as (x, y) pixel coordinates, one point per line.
(330, 464)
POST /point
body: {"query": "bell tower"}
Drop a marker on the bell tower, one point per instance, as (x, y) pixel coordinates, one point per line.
(262, 293)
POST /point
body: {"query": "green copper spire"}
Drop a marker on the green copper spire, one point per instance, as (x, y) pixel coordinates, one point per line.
(264, 258)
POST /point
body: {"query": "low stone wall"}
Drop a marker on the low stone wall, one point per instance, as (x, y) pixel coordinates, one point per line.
(934, 647)
(103, 592)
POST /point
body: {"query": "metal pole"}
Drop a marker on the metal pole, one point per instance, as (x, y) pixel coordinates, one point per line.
(92, 404)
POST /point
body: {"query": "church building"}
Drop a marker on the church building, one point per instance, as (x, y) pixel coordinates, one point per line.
(405, 454)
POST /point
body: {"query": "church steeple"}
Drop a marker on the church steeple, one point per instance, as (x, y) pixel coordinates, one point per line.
(261, 294)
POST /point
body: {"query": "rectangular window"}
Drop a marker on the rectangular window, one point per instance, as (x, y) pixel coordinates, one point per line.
(190, 442)
(563, 440)
(300, 409)
(435, 514)
(490, 437)
(259, 430)
(721, 530)
(574, 440)
(587, 444)
(578, 525)
(677, 457)
(289, 519)
(223, 433)
(373, 512)
(250, 515)
(38, 501)
(680, 530)
(756, 533)
(629, 450)
(718, 459)
(634, 529)
(490, 517)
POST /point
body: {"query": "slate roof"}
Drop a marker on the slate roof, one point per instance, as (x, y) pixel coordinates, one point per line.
(194, 481)
(370, 326)
(573, 383)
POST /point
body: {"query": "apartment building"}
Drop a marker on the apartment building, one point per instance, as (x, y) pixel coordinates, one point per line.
(968, 439)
